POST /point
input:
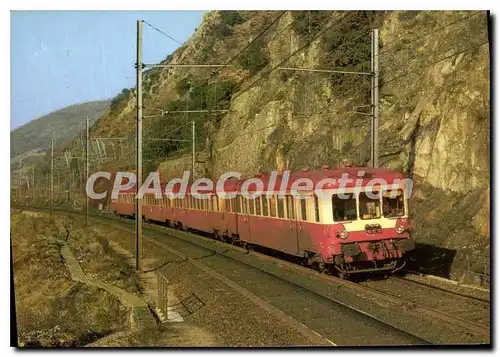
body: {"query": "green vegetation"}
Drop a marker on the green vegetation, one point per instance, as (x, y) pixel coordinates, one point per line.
(255, 57)
(308, 24)
(119, 99)
(349, 47)
(194, 95)
(346, 46)
(228, 19)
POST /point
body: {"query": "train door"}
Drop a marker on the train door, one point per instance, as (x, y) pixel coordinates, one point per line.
(304, 214)
(243, 218)
(292, 224)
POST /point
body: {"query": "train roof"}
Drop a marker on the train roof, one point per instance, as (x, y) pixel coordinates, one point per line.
(357, 176)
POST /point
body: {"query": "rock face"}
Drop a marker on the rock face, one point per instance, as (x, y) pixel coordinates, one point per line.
(434, 93)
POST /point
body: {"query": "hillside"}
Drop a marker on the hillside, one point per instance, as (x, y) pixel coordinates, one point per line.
(435, 106)
(65, 123)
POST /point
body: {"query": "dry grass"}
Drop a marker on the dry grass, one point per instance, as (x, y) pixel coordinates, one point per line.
(51, 309)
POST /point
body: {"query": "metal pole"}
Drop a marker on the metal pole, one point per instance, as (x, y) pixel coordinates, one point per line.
(194, 151)
(51, 172)
(86, 170)
(375, 98)
(138, 203)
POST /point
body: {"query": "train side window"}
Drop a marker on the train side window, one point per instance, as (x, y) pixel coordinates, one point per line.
(238, 204)
(272, 206)
(243, 204)
(290, 207)
(258, 211)
(281, 207)
(265, 206)
(316, 207)
(234, 204)
(251, 206)
(303, 209)
(215, 205)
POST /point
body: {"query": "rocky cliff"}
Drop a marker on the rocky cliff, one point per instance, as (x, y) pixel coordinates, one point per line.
(435, 105)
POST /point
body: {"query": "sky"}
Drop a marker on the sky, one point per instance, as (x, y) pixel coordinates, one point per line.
(60, 58)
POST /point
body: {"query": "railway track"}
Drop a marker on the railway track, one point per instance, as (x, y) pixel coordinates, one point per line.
(332, 320)
(470, 308)
(319, 311)
(472, 299)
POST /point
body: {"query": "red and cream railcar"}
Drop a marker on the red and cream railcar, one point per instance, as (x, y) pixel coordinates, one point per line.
(357, 232)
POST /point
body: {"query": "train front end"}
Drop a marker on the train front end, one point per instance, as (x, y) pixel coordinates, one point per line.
(370, 230)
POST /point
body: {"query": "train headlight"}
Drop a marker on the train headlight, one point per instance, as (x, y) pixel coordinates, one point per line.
(343, 234)
(400, 229)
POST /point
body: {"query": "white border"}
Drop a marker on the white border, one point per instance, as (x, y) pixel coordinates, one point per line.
(192, 5)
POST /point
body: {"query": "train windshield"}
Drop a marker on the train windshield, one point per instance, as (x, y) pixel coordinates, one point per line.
(393, 203)
(344, 207)
(369, 205)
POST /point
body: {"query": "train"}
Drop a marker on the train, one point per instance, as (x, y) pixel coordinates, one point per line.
(343, 235)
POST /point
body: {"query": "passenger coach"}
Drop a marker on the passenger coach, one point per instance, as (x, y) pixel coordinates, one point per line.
(345, 234)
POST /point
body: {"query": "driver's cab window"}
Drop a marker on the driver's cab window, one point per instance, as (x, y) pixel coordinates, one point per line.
(369, 205)
(344, 207)
(393, 203)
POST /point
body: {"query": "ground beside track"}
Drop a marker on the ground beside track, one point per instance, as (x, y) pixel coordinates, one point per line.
(226, 319)
(434, 330)
(53, 310)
